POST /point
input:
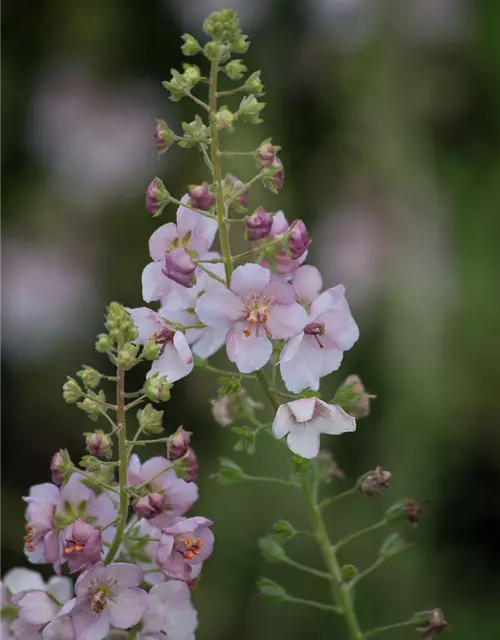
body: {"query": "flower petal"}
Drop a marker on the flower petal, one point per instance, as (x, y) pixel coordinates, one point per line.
(134, 473)
(182, 347)
(219, 308)
(171, 365)
(302, 409)
(61, 588)
(202, 230)
(59, 629)
(209, 342)
(124, 573)
(307, 282)
(21, 579)
(333, 419)
(161, 240)
(304, 440)
(127, 608)
(249, 353)
(286, 320)
(155, 283)
(35, 607)
(75, 492)
(249, 278)
(282, 292)
(88, 626)
(283, 421)
(301, 365)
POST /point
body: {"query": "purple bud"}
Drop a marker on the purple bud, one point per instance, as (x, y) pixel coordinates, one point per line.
(299, 241)
(179, 267)
(191, 467)
(99, 444)
(201, 198)
(153, 203)
(266, 154)
(160, 142)
(279, 176)
(82, 546)
(259, 225)
(57, 467)
(178, 445)
(151, 506)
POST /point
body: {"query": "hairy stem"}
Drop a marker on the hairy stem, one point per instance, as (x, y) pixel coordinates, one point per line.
(216, 174)
(122, 451)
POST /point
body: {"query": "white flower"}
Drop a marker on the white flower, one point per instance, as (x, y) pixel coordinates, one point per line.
(305, 419)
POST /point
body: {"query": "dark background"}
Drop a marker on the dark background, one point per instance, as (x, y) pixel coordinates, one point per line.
(388, 115)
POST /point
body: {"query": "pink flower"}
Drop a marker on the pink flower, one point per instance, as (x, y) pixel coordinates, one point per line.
(258, 225)
(179, 267)
(170, 613)
(285, 262)
(35, 607)
(201, 198)
(179, 306)
(186, 543)
(330, 330)
(82, 546)
(106, 596)
(175, 360)
(179, 495)
(193, 232)
(253, 310)
(151, 505)
(305, 419)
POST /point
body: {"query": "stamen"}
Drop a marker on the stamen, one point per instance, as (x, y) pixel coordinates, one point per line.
(192, 548)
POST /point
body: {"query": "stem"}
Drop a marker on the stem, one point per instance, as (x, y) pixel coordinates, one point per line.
(270, 393)
(213, 275)
(206, 214)
(95, 480)
(199, 102)
(216, 173)
(365, 573)
(389, 627)
(143, 442)
(311, 570)
(328, 501)
(357, 534)
(285, 483)
(122, 449)
(134, 403)
(312, 603)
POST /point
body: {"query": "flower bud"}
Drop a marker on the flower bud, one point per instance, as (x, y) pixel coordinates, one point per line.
(349, 571)
(61, 467)
(253, 84)
(178, 444)
(191, 75)
(151, 505)
(103, 343)
(258, 225)
(429, 622)
(271, 590)
(224, 119)
(352, 397)
(71, 391)
(191, 46)
(373, 482)
(235, 69)
(283, 531)
(179, 267)
(99, 444)
(190, 465)
(233, 185)
(157, 197)
(92, 404)
(201, 198)
(266, 154)
(150, 420)
(271, 550)
(127, 356)
(164, 136)
(406, 510)
(195, 132)
(157, 389)
(213, 50)
(279, 175)
(298, 241)
(326, 467)
(151, 351)
(90, 377)
(249, 110)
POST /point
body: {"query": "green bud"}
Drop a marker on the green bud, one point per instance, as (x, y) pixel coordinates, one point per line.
(150, 420)
(240, 44)
(194, 133)
(283, 531)
(157, 389)
(164, 136)
(392, 545)
(191, 46)
(250, 109)
(119, 323)
(223, 25)
(349, 571)
(224, 119)
(103, 343)
(271, 590)
(151, 351)
(253, 84)
(71, 391)
(271, 550)
(235, 69)
(177, 86)
(191, 75)
(90, 407)
(213, 50)
(127, 356)
(229, 472)
(90, 377)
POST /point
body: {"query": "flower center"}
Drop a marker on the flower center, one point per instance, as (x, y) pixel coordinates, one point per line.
(30, 537)
(190, 547)
(164, 336)
(257, 314)
(73, 547)
(315, 329)
(98, 598)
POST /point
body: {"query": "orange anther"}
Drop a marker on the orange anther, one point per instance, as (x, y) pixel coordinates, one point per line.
(247, 333)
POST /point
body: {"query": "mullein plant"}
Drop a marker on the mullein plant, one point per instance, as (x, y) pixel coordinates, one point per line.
(118, 523)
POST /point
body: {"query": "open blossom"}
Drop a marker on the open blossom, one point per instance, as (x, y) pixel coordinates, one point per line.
(253, 310)
(47, 502)
(193, 234)
(106, 596)
(175, 360)
(330, 330)
(304, 420)
(82, 545)
(170, 613)
(179, 306)
(179, 495)
(188, 542)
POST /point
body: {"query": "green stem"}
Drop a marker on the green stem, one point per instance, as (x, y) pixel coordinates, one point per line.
(328, 501)
(306, 569)
(365, 573)
(143, 442)
(357, 534)
(389, 627)
(214, 150)
(270, 393)
(122, 449)
(95, 480)
(285, 483)
(312, 603)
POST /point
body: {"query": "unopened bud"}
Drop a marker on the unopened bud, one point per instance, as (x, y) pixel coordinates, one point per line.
(179, 267)
(99, 444)
(299, 240)
(150, 420)
(406, 510)
(90, 377)
(374, 481)
(151, 351)
(427, 623)
(349, 571)
(352, 397)
(151, 505)
(283, 531)
(271, 590)
(258, 225)
(71, 391)
(201, 198)
(195, 132)
(253, 84)
(157, 389)
(271, 550)
(61, 467)
(190, 465)
(235, 69)
(191, 46)
(157, 197)
(103, 343)
(178, 444)
(164, 136)
(326, 467)
(224, 119)
(93, 405)
(213, 50)
(249, 110)
(266, 154)
(279, 175)
(191, 75)
(233, 185)
(127, 356)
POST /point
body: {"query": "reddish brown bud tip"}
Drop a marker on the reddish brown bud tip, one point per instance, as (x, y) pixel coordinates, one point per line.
(375, 481)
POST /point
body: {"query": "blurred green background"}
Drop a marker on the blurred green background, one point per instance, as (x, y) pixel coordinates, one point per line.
(388, 115)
